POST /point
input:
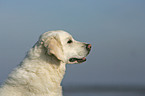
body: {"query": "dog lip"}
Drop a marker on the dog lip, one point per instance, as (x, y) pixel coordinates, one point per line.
(79, 60)
(72, 59)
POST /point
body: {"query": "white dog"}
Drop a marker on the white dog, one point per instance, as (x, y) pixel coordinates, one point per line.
(43, 68)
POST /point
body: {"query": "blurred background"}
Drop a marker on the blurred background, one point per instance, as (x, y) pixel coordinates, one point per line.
(115, 28)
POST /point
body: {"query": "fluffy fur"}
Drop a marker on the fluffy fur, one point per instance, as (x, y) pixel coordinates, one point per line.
(43, 68)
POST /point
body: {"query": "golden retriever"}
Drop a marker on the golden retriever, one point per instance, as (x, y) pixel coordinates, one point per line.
(43, 68)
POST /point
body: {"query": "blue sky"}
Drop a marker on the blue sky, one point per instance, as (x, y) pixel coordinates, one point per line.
(115, 28)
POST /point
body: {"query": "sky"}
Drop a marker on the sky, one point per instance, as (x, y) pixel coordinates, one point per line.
(115, 28)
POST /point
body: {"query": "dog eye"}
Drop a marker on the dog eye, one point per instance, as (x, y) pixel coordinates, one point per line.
(70, 41)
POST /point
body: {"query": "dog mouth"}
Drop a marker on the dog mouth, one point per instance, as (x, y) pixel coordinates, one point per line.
(78, 60)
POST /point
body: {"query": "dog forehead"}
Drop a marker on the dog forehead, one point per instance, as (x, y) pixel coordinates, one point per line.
(57, 32)
(62, 35)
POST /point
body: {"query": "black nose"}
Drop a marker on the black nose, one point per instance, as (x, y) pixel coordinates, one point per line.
(88, 47)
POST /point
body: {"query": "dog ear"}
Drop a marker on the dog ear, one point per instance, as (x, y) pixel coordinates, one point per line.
(54, 47)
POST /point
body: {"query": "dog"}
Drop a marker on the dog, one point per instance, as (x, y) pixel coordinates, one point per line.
(43, 68)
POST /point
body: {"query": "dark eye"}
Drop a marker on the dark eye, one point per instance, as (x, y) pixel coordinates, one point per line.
(70, 41)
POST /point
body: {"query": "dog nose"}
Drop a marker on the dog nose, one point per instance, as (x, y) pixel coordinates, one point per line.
(88, 47)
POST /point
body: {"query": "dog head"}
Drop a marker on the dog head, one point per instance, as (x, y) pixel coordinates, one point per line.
(62, 45)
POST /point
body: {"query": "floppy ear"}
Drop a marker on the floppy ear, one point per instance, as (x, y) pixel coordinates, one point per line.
(54, 47)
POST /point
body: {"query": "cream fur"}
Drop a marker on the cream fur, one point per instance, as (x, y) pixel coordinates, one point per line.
(43, 68)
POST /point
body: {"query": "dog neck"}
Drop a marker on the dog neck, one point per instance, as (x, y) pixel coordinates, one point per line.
(42, 71)
(40, 54)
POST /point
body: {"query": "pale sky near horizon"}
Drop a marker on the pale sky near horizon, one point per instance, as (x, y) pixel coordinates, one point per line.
(115, 28)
